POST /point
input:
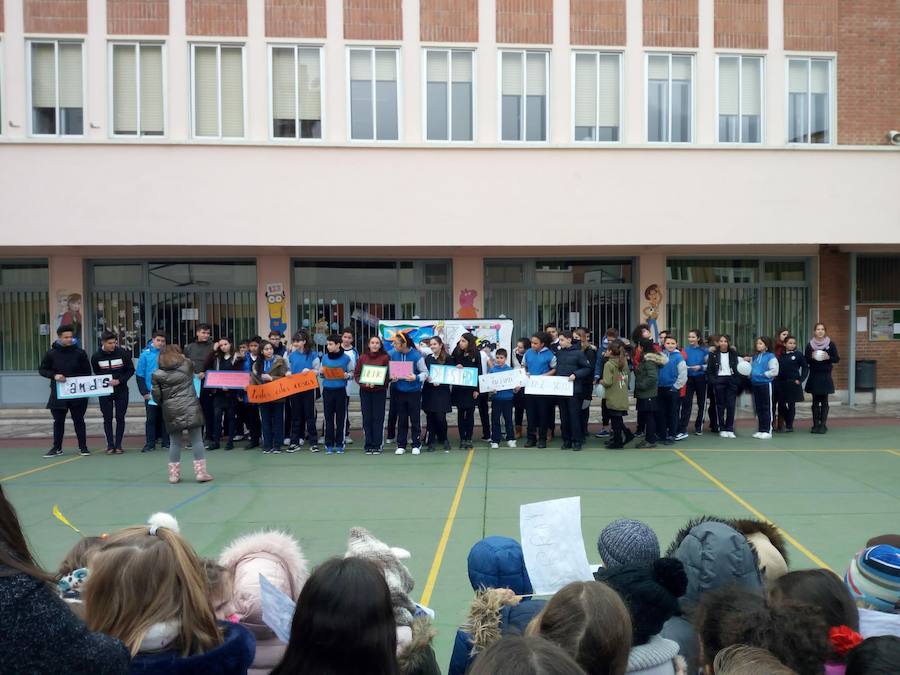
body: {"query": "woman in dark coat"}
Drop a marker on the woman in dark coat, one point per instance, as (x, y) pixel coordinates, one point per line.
(464, 398)
(175, 392)
(436, 397)
(821, 354)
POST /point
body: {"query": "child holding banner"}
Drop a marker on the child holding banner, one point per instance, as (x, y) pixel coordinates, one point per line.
(502, 405)
(334, 370)
(251, 410)
(115, 362)
(270, 367)
(538, 360)
(466, 355)
(65, 359)
(223, 357)
(516, 361)
(408, 392)
(436, 398)
(373, 392)
(302, 359)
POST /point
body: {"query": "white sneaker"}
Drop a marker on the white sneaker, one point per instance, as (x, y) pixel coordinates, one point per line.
(723, 434)
(765, 435)
(510, 444)
(417, 451)
(287, 440)
(388, 441)
(731, 434)
(758, 434)
(348, 440)
(400, 451)
(681, 436)
(494, 446)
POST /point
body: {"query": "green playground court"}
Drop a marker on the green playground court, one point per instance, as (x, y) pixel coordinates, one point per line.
(827, 493)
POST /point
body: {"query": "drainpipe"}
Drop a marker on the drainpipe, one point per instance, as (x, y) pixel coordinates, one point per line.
(851, 368)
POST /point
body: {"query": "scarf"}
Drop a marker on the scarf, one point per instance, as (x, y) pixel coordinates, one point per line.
(822, 345)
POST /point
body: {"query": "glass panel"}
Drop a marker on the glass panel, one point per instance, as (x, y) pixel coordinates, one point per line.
(438, 124)
(714, 271)
(461, 114)
(121, 312)
(310, 86)
(512, 118)
(284, 93)
(386, 110)
(118, 275)
(344, 274)
(125, 91)
(437, 274)
(22, 313)
(152, 115)
(657, 111)
(186, 274)
(878, 279)
(786, 307)
(362, 122)
(583, 272)
(504, 273)
(232, 67)
(24, 275)
(681, 111)
(736, 315)
(785, 270)
(688, 309)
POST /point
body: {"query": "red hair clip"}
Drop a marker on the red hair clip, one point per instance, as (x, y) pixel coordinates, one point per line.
(843, 639)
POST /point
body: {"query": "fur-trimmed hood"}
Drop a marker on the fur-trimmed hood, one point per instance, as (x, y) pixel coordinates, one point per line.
(363, 544)
(415, 655)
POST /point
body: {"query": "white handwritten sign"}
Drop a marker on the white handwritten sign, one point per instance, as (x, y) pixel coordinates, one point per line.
(507, 379)
(553, 545)
(84, 386)
(549, 385)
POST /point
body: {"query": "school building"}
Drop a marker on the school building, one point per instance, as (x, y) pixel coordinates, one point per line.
(727, 165)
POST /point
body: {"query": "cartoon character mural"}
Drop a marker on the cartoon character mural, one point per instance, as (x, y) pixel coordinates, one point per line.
(467, 308)
(277, 307)
(654, 298)
(69, 312)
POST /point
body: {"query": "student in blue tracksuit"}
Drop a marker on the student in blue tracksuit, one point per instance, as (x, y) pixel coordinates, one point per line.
(539, 360)
(672, 377)
(251, 410)
(408, 391)
(334, 370)
(696, 356)
(302, 359)
(792, 371)
(147, 363)
(502, 404)
(765, 370)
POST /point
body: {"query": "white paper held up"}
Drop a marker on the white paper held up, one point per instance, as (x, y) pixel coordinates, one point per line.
(277, 609)
(553, 545)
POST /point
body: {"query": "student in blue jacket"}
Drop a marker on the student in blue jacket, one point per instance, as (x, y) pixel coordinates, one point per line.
(672, 377)
(335, 370)
(147, 363)
(502, 404)
(303, 358)
(408, 391)
(765, 370)
(696, 356)
(539, 360)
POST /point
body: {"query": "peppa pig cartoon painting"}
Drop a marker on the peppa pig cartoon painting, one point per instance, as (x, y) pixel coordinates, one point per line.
(467, 308)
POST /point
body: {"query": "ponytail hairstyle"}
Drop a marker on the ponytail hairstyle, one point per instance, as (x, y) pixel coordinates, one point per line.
(146, 575)
(259, 364)
(471, 350)
(696, 331)
(404, 339)
(442, 355)
(617, 352)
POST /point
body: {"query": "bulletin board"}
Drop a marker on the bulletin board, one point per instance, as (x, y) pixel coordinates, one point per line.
(884, 324)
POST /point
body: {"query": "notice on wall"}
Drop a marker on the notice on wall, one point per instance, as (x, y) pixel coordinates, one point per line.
(190, 314)
(549, 385)
(862, 324)
(884, 324)
(553, 545)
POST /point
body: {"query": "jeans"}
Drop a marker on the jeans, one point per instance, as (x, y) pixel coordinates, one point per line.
(223, 417)
(668, 403)
(409, 408)
(196, 437)
(154, 422)
(114, 405)
(272, 421)
(502, 409)
(726, 396)
(303, 417)
(763, 402)
(76, 408)
(696, 386)
(372, 403)
(334, 401)
(570, 419)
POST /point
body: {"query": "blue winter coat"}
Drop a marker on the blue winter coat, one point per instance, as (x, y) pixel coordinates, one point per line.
(233, 657)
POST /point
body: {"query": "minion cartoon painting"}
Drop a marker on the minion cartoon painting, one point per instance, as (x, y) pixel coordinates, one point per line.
(277, 308)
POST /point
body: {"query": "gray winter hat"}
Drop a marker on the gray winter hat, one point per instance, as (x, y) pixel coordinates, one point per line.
(626, 541)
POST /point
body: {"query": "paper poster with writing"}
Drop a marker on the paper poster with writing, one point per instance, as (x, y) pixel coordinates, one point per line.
(553, 545)
(374, 375)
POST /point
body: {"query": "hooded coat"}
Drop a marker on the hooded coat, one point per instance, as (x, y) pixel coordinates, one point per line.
(71, 361)
(232, 657)
(494, 563)
(173, 391)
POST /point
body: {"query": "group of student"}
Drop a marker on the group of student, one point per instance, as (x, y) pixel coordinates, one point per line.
(721, 600)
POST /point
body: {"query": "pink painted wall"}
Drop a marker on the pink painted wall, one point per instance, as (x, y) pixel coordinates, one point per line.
(468, 287)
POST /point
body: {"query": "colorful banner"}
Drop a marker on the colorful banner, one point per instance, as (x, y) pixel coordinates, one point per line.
(226, 379)
(549, 385)
(497, 332)
(502, 381)
(282, 387)
(334, 373)
(375, 375)
(84, 386)
(466, 377)
(401, 369)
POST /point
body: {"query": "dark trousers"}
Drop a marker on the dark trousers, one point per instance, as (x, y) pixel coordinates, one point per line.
(288, 417)
(570, 419)
(538, 409)
(251, 417)
(409, 408)
(585, 417)
(713, 410)
(641, 421)
(207, 405)
(551, 405)
(372, 404)
(154, 428)
(502, 409)
(668, 402)
(648, 407)
(726, 395)
(618, 427)
(763, 402)
(392, 414)
(436, 423)
(76, 408)
(519, 407)
(271, 417)
(114, 405)
(466, 422)
(222, 418)
(604, 412)
(485, 414)
(334, 402)
(303, 417)
(240, 417)
(787, 411)
(695, 387)
(347, 417)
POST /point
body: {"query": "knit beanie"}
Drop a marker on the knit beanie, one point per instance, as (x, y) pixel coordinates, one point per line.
(650, 591)
(626, 541)
(873, 578)
(362, 544)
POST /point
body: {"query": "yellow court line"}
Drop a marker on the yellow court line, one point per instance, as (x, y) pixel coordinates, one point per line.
(894, 452)
(445, 535)
(37, 469)
(752, 509)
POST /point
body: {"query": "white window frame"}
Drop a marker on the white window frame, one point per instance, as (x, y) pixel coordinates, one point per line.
(3, 91)
(524, 52)
(832, 97)
(297, 45)
(218, 46)
(449, 51)
(28, 87)
(670, 54)
(137, 44)
(762, 96)
(597, 53)
(349, 108)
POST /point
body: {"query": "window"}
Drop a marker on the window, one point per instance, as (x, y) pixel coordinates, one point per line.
(523, 96)
(296, 92)
(597, 102)
(24, 315)
(740, 99)
(57, 88)
(878, 279)
(809, 100)
(217, 73)
(448, 95)
(669, 98)
(374, 107)
(137, 90)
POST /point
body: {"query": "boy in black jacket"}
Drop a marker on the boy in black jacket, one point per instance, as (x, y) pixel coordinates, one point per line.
(116, 362)
(65, 359)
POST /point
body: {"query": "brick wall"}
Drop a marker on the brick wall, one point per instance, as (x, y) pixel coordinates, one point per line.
(448, 20)
(56, 16)
(811, 25)
(597, 22)
(216, 17)
(741, 24)
(295, 18)
(525, 21)
(373, 19)
(868, 71)
(2, 24)
(671, 23)
(834, 295)
(137, 17)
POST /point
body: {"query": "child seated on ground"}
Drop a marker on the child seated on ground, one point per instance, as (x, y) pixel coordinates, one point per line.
(525, 656)
(73, 572)
(626, 541)
(875, 656)
(873, 578)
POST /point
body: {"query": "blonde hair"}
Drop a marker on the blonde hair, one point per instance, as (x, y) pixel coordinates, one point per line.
(78, 555)
(221, 587)
(170, 356)
(139, 579)
(746, 660)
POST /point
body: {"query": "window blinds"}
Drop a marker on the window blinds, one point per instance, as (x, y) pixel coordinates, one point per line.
(232, 69)
(797, 76)
(818, 77)
(681, 68)
(608, 111)
(360, 64)
(125, 94)
(206, 98)
(70, 89)
(284, 84)
(512, 75)
(658, 68)
(386, 65)
(43, 76)
(729, 85)
(585, 90)
(751, 74)
(437, 66)
(461, 66)
(310, 84)
(536, 74)
(152, 115)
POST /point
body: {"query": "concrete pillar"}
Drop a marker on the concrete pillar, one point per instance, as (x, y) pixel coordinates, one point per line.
(468, 287)
(67, 302)
(633, 73)
(256, 126)
(273, 305)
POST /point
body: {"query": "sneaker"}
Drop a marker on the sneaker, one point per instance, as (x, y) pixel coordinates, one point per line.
(188, 446)
(329, 451)
(566, 446)
(764, 436)
(400, 451)
(368, 451)
(314, 448)
(494, 446)
(576, 447)
(252, 445)
(789, 430)
(758, 434)
(238, 438)
(638, 434)
(267, 451)
(110, 451)
(275, 451)
(286, 440)
(680, 436)
(644, 444)
(84, 452)
(213, 446)
(377, 451)
(348, 440)
(542, 444)
(417, 451)
(292, 448)
(730, 434)
(388, 441)
(148, 448)
(698, 432)
(446, 446)
(486, 439)
(339, 451)
(229, 445)
(510, 444)
(603, 433)
(53, 452)
(530, 443)
(668, 441)
(300, 442)
(723, 434)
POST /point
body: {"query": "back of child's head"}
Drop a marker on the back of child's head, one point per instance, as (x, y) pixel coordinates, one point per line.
(793, 632)
(875, 656)
(78, 555)
(516, 655)
(625, 541)
(590, 622)
(146, 575)
(821, 588)
(744, 660)
(873, 578)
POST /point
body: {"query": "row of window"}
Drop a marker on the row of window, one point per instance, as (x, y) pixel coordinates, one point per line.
(218, 94)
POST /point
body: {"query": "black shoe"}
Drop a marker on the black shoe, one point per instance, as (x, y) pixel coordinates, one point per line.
(638, 434)
(229, 445)
(628, 438)
(251, 445)
(429, 448)
(576, 447)
(789, 430)
(148, 448)
(541, 444)
(53, 452)
(645, 444)
(530, 443)
(165, 446)
(446, 446)
(213, 446)
(615, 445)
(565, 446)
(84, 452)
